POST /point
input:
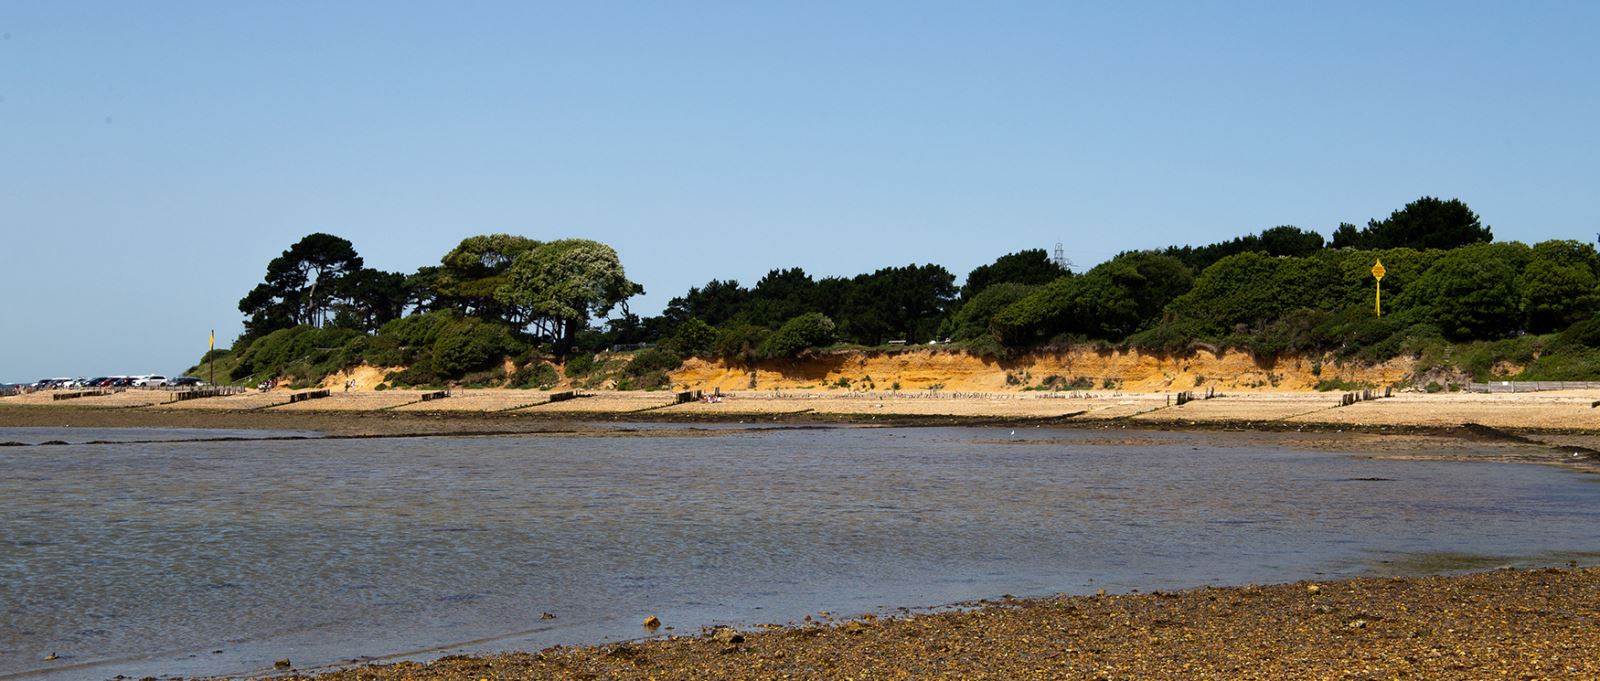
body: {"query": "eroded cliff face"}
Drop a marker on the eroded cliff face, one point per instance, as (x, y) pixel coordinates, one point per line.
(920, 369)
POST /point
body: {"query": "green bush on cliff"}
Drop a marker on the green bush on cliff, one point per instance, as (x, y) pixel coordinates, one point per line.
(537, 374)
(653, 360)
(469, 344)
(305, 352)
(1572, 355)
(579, 366)
(692, 338)
(807, 331)
(741, 342)
(971, 320)
(1109, 302)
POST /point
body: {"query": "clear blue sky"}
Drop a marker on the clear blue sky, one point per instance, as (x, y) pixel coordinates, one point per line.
(155, 156)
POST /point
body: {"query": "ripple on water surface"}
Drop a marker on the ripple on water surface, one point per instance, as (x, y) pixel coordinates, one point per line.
(326, 550)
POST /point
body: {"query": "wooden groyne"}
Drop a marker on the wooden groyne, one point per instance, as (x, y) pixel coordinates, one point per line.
(75, 395)
(308, 395)
(212, 391)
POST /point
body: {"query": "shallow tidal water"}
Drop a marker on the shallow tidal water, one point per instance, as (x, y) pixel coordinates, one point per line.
(210, 557)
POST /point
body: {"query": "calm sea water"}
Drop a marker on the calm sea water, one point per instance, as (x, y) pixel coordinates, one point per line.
(220, 557)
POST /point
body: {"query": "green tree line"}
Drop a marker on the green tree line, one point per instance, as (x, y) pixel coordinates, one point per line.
(1284, 289)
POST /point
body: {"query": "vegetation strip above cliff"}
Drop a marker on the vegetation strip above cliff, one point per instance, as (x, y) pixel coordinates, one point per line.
(506, 310)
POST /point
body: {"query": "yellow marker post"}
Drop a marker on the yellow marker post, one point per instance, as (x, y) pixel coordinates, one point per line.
(1377, 272)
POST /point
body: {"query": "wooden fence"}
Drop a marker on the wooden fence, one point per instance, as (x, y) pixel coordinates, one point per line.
(1530, 386)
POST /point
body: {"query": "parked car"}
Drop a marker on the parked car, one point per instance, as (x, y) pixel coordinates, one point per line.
(151, 381)
(185, 381)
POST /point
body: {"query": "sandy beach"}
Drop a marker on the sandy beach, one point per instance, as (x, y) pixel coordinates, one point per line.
(1552, 411)
(1547, 427)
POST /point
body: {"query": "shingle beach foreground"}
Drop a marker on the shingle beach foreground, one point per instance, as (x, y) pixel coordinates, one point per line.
(1506, 624)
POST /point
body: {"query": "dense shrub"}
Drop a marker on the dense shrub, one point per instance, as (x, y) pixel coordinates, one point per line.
(1110, 302)
(1560, 285)
(305, 352)
(653, 360)
(381, 351)
(419, 373)
(1480, 359)
(692, 338)
(971, 320)
(538, 374)
(741, 342)
(1471, 292)
(579, 366)
(469, 344)
(419, 330)
(797, 335)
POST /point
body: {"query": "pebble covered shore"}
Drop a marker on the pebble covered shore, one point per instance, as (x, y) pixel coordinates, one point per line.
(1506, 624)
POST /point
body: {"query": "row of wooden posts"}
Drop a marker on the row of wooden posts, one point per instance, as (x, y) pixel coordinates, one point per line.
(1187, 396)
(1366, 394)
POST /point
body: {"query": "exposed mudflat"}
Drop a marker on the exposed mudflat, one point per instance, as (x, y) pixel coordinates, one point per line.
(1523, 624)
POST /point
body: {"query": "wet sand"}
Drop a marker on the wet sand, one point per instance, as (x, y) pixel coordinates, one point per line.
(1522, 624)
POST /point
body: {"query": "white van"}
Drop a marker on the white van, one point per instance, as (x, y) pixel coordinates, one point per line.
(151, 381)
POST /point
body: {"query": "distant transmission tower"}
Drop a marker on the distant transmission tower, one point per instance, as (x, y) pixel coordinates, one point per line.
(1060, 258)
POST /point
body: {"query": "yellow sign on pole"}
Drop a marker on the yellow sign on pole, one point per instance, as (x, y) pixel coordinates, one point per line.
(1377, 273)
